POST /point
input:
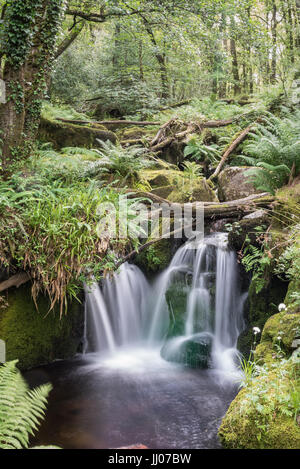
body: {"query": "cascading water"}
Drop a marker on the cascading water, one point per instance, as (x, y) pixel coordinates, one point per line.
(127, 311)
(115, 315)
(130, 386)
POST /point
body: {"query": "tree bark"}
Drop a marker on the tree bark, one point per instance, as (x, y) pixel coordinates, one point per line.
(30, 35)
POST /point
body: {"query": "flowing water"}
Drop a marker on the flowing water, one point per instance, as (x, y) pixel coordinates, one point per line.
(121, 391)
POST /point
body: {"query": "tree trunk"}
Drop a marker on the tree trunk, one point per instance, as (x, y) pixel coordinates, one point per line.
(235, 64)
(161, 60)
(28, 50)
(274, 43)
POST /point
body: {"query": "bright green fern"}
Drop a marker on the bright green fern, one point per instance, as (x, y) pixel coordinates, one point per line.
(21, 409)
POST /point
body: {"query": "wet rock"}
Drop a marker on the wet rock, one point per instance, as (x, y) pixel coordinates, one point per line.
(233, 184)
(246, 228)
(38, 337)
(194, 352)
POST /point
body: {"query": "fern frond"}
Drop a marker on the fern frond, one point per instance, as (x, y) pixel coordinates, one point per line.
(21, 409)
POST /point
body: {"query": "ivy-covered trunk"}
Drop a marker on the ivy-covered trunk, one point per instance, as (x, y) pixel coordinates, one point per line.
(29, 34)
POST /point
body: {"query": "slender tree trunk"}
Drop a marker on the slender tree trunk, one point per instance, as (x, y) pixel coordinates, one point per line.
(235, 67)
(274, 42)
(235, 64)
(161, 60)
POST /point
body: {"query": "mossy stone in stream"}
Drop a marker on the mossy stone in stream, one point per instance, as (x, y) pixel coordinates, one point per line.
(38, 337)
(194, 353)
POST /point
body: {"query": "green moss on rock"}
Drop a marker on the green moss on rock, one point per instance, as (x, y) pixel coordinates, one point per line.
(62, 134)
(260, 307)
(280, 330)
(38, 337)
(262, 415)
(181, 189)
(156, 257)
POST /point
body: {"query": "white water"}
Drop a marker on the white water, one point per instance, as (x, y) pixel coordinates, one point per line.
(127, 312)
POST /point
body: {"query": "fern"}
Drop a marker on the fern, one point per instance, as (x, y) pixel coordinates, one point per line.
(275, 141)
(21, 409)
(268, 178)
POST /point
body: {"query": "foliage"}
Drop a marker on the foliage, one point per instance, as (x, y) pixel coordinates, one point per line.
(124, 163)
(21, 409)
(267, 177)
(192, 170)
(198, 151)
(51, 230)
(274, 147)
(257, 260)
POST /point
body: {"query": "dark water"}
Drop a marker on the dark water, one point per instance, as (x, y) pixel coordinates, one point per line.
(132, 398)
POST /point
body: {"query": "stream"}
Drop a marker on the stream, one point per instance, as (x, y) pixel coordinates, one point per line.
(160, 364)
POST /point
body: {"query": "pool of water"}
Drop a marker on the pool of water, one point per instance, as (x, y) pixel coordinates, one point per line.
(132, 397)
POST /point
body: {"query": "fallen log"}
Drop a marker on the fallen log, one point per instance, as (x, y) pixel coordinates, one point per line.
(232, 209)
(108, 122)
(241, 137)
(15, 281)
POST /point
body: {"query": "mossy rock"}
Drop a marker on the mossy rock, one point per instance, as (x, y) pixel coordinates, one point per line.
(241, 428)
(164, 191)
(281, 330)
(62, 134)
(134, 133)
(38, 337)
(156, 257)
(246, 228)
(194, 353)
(184, 189)
(289, 202)
(234, 184)
(290, 301)
(259, 308)
(176, 298)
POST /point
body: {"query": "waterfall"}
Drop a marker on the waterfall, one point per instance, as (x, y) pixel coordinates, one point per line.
(115, 314)
(195, 303)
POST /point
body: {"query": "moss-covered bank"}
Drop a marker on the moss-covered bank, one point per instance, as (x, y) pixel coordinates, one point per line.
(62, 134)
(38, 337)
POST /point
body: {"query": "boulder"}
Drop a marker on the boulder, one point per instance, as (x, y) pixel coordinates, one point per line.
(177, 187)
(233, 184)
(62, 134)
(281, 330)
(194, 352)
(246, 228)
(38, 337)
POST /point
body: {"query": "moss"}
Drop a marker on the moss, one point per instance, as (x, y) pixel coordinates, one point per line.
(184, 189)
(289, 202)
(156, 257)
(294, 286)
(262, 414)
(176, 297)
(260, 307)
(62, 134)
(283, 325)
(134, 133)
(35, 337)
(241, 430)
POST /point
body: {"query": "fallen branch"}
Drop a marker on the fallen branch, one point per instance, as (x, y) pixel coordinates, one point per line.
(15, 281)
(230, 149)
